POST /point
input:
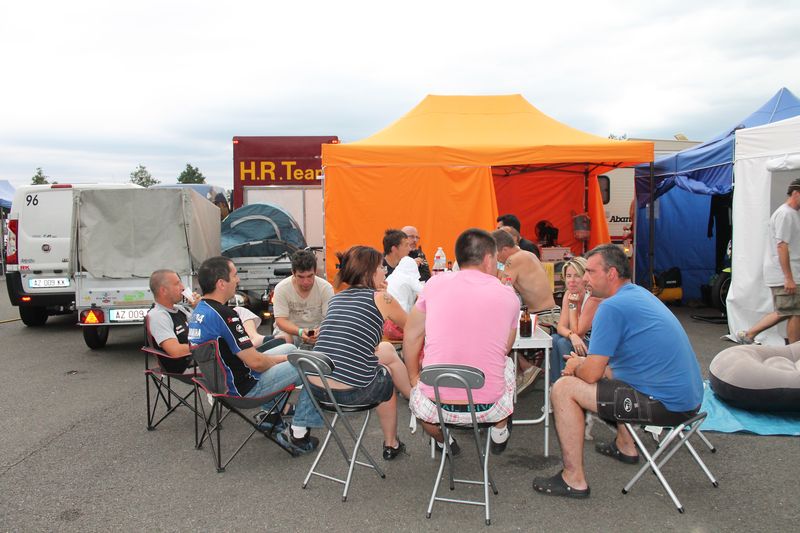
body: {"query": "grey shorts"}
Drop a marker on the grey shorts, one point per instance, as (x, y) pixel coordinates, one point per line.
(785, 304)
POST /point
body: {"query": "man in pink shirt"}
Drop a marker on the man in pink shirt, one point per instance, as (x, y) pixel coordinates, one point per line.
(467, 318)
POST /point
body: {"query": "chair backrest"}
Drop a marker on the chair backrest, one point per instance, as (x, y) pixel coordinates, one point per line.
(316, 362)
(209, 361)
(453, 376)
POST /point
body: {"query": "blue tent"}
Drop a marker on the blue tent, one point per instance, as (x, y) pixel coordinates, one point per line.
(685, 184)
(260, 230)
(6, 194)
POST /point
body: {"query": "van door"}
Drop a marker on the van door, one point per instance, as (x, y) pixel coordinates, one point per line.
(43, 238)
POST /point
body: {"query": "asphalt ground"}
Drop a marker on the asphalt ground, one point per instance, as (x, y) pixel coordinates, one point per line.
(75, 455)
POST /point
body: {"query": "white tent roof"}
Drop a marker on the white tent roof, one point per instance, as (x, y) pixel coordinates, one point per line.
(766, 159)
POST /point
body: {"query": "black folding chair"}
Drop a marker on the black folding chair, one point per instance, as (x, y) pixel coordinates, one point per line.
(467, 378)
(677, 437)
(162, 383)
(321, 365)
(213, 383)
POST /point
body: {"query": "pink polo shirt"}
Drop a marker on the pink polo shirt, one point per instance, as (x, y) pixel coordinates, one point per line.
(468, 318)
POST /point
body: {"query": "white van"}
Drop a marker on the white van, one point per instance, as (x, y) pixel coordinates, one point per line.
(39, 230)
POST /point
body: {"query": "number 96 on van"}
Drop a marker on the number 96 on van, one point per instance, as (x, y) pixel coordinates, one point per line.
(127, 315)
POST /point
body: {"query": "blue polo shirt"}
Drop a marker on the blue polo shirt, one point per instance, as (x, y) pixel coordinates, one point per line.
(647, 348)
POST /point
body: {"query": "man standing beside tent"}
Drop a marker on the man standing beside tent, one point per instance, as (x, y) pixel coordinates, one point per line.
(782, 267)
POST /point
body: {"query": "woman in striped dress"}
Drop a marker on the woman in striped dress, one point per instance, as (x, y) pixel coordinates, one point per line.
(366, 369)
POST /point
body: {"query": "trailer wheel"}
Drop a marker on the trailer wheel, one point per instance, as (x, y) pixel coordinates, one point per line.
(33, 317)
(719, 291)
(95, 337)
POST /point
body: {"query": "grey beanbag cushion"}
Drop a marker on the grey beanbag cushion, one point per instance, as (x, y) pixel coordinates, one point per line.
(760, 378)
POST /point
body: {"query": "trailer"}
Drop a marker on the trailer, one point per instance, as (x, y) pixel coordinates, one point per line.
(120, 237)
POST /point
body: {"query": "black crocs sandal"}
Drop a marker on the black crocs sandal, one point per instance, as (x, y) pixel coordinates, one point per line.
(556, 486)
(610, 449)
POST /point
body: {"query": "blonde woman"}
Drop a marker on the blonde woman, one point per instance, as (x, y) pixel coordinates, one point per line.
(577, 311)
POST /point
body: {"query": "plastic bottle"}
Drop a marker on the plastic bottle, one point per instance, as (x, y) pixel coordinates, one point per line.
(439, 261)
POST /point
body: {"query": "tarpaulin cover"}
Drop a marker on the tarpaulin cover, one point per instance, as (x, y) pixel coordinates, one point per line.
(705, 169)
(129, 233)
(433, 169)
(767, 159)
(6, 194)
(260, 230)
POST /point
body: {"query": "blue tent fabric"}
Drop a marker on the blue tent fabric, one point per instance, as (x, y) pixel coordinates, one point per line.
(703, 170)
(260, 230)
(6, 194)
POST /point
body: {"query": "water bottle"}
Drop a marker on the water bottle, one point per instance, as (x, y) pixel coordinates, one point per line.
(439, 261)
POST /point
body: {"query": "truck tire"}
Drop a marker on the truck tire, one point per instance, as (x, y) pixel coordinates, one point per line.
(95, 337)
(33, 317)
(719, 291)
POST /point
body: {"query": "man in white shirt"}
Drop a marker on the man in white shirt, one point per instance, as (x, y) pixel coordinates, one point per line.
(300, 302)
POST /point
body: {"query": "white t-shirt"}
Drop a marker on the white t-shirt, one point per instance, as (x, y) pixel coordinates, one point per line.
(306, 313)
(784, 226)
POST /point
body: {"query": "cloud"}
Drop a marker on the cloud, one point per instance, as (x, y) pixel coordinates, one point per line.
(97, 88)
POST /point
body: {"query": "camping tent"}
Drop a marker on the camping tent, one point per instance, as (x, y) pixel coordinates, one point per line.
(767, 160)
(434, 168)
(685, 183)
(6, 194)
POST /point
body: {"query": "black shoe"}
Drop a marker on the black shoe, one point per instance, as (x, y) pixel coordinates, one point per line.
(455, 449)
(498, 447)
(300, 446)
(390, 453)
(273, 423)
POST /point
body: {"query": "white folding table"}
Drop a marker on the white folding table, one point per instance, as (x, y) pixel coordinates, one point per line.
(538, 341)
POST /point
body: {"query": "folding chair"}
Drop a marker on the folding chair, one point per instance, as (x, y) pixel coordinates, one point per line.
(468, 378)
(163, 391)
(212, 382)
(677, 437)
(321, 365)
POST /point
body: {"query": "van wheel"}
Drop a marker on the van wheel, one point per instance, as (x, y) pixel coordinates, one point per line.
(33, 317)
(719, 291)
(95, 337)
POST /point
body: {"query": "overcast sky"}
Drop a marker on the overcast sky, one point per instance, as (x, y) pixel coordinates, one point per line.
(89, 90)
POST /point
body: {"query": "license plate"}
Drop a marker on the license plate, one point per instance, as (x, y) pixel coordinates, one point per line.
(127, 315)
(43, 283)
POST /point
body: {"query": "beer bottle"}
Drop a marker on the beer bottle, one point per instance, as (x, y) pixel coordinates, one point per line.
(525, 323)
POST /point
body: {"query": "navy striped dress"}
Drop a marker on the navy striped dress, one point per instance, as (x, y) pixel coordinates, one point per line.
(349, 334)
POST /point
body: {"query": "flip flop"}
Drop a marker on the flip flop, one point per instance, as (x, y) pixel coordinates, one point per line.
(556, 486)
(610, 449)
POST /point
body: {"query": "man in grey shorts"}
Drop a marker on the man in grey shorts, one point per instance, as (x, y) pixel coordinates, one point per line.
(781, 269)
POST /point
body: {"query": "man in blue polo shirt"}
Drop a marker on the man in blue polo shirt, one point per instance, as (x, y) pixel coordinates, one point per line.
(640, 368)
(249, 373)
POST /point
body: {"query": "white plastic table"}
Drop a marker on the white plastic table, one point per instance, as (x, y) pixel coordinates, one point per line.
(538, 341)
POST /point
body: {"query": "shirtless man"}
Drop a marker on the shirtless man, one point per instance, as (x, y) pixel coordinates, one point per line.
(529, 279)
(526, 272)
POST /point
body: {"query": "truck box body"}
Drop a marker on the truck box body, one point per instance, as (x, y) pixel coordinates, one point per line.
(121, 237)
(282, 171)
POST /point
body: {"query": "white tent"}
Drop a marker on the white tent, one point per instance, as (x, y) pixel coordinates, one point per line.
(767, 159)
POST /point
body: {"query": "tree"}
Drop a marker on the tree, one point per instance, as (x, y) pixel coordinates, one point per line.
(191, 175)
(39, 178)
(142, 177)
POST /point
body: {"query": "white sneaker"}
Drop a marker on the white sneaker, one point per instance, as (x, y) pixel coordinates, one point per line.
(525, 379)
(743, 338)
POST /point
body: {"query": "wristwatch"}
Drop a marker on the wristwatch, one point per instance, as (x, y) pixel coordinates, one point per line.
(572, 306)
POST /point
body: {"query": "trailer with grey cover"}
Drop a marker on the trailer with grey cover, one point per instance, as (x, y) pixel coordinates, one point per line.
(120, 237)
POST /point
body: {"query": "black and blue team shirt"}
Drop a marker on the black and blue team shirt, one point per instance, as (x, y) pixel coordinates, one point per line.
(212, 320)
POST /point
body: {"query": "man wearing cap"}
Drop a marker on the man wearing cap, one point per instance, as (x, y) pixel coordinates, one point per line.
(782, 268)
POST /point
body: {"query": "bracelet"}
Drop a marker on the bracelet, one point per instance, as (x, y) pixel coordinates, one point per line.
(299, 332)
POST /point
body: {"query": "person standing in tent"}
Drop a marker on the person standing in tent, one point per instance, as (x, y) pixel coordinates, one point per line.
(782, 268)
(417, 254)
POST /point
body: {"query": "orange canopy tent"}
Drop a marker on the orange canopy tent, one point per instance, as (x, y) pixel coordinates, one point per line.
(453, 162)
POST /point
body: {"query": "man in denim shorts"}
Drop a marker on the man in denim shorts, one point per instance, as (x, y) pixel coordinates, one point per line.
(640, 368)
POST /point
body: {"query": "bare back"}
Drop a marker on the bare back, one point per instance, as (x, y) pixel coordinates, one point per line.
(530, 281)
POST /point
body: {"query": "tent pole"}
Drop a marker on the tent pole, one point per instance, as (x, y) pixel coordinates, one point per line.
(585, 202)
(652, 224)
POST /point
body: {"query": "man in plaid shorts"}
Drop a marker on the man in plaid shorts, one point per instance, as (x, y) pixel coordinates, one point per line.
(468, 318)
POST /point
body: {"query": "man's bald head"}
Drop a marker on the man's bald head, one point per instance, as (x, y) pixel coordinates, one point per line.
(413, 236)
